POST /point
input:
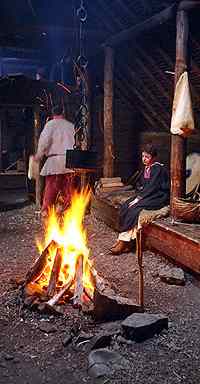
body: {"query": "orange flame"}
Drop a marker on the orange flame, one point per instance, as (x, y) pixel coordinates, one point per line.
(71, 238)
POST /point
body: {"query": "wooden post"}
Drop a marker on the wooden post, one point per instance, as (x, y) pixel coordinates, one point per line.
(108, 113)
(139, 252)
(1, 140)
(38, 181)
(178, 143)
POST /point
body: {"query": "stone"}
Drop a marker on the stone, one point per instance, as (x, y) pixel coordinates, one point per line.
(111, 326)
(173, 276)
(47, 327)
(101, 341)
(110, 306)
(82, 342)
(8, 357)
(141, 326)
(103, 362)
(83, 337)
(67, 340)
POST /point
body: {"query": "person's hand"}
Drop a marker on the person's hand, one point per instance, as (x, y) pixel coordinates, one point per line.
(135, 201)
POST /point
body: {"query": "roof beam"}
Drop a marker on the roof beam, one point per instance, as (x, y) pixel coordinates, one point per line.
(149, 60)
(139, 96)
(133, 32)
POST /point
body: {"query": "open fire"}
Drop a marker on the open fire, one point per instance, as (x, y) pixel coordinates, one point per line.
(63, 271)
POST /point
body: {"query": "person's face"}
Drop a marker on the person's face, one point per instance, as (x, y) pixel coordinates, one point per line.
(146, 158)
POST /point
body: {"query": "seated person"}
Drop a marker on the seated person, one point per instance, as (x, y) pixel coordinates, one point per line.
(152, 192)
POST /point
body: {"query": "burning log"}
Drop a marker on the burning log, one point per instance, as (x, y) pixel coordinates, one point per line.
(50, 305)
(55, 273)
(39, 265)
(33, 289)
(78, 285)
(54, 300)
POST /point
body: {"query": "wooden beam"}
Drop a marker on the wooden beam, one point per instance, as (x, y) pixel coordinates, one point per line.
(134, 31)
(108, 113)
(152, 99)
(157, 69)
(123, 93)
(148, 107)
(188, 5)
(126, 10)
(101, 21)
(178, 143)
(110, 14)
(136, 93)
(153, 79)
(1, 139)
(170, 63)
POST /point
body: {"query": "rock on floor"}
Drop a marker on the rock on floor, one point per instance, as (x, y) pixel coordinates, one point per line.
(173, 276)
(141, 326)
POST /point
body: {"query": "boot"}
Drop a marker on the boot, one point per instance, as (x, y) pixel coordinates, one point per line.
(121, 247)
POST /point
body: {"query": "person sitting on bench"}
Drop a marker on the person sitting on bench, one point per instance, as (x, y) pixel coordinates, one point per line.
(152, 193)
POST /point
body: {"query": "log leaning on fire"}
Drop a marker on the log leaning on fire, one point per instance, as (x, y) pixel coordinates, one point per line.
(78, 282)
(54, 300)
(37, 268)
(55, 273)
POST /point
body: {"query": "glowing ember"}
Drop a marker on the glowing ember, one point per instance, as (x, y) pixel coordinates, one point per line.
(68, 243)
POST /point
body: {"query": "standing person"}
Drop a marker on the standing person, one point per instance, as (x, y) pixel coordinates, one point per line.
(56, 137)
(152, 192)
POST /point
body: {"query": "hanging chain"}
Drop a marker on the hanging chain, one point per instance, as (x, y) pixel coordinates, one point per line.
(81, 63)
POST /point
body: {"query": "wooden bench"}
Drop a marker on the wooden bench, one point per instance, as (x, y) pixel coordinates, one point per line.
(180, 242)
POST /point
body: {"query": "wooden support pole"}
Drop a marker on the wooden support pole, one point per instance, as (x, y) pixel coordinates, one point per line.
(139, 253)
(38, 181)
(1, 141)
(108, 113)
(178, 143)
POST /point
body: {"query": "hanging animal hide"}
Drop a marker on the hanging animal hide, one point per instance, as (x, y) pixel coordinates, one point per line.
(182, 122)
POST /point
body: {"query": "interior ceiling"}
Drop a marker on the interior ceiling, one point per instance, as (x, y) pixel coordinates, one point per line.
(144, 68)
(35, 19)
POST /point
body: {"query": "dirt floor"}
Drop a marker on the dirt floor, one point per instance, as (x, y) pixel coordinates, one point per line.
(31, 344)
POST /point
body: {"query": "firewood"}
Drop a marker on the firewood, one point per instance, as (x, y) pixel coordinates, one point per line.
(37, 268)
(98, 282)
(78, 284)
(54, 273)
(88, 294)
(58, 295)
(110, 180)
(33, 289)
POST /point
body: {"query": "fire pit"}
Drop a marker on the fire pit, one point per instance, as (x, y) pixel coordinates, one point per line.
(63, 273)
